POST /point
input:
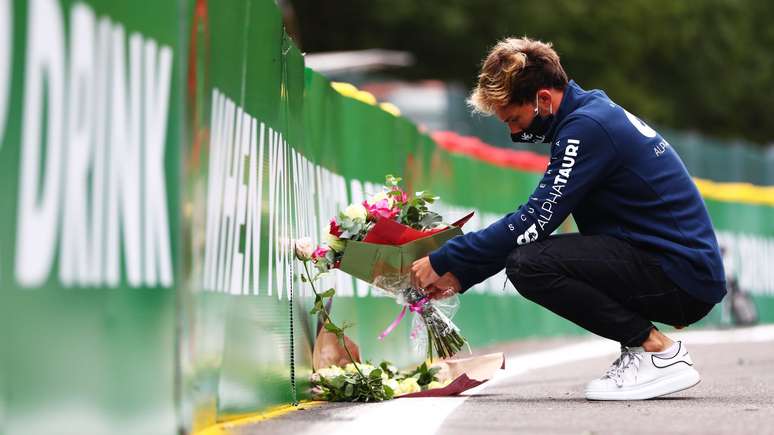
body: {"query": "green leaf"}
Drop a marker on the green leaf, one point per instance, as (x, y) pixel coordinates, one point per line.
(388, 368)
(430, 219)
(321, 266)
(375, 374)
(338, 381)
(314, 310)
(330, 327)
(391, 180)
(328, 293)
(348, 390)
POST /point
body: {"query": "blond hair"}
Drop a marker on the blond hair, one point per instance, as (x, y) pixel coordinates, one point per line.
(513, 72)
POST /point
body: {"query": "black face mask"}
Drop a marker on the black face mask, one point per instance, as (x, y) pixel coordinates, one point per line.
(536, 132)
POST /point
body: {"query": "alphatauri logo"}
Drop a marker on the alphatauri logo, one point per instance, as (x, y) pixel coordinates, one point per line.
(529, 236)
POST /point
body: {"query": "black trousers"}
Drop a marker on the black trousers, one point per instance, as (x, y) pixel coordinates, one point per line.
(603, 284)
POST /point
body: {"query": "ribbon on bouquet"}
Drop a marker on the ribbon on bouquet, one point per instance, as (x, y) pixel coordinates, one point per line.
(414, 308)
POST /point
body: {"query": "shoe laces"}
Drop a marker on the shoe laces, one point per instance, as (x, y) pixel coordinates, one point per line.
(629, 359)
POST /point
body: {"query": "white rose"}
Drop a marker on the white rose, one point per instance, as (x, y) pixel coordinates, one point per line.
(408, 386)
(393, 384)
(356, 212)
(331, 372)
(365, 368)
(304, 248)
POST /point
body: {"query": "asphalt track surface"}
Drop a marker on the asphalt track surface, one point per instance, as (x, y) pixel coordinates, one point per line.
(541, 392)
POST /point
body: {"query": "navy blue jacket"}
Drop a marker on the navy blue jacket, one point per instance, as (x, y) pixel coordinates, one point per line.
(617, 176)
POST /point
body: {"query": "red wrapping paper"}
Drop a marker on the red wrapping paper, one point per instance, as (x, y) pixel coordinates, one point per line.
(390, 232)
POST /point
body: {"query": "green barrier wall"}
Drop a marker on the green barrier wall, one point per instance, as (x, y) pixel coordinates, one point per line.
(158, 159)
(90, 134)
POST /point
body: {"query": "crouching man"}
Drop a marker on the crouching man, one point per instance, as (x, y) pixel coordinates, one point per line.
(646, 250)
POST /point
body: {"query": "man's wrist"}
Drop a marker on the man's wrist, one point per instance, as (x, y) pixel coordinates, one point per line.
(439, 262)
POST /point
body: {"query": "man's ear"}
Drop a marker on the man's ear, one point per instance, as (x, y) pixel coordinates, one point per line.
(544, 100)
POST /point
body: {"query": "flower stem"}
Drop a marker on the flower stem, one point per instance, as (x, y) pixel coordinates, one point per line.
(430, 339)
(328, 319)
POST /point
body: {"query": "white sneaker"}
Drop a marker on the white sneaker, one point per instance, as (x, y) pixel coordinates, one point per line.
(638, 375)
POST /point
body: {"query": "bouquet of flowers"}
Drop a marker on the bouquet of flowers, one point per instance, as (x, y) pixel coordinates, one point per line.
(378, 240)
(343, 384)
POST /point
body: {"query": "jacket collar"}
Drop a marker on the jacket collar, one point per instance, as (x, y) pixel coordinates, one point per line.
(570, 102)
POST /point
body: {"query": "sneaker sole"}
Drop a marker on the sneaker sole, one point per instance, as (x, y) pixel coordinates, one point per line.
(679, 381)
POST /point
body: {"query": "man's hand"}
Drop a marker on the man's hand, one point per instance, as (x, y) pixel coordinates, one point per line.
(436, 287)
(447, 286)
(422, 273)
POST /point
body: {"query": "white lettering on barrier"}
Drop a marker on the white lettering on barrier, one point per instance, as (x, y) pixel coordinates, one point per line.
(44, 76)
(272, 153)
(285, 236)
(255, 201)
(301, 197)
(104, 153)
(123, 208)
(233, 115)
(157, 252)
(213, 192)
(233, 207)
(250, 214)
(276, 170)
(99, 159)
(74, 252)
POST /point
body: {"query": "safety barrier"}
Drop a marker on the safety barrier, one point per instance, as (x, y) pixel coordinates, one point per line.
(157, 160)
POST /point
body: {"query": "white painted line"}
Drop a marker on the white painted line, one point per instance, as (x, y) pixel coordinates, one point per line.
(426, 415)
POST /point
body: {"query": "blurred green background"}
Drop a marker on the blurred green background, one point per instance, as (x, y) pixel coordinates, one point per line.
(704, 66)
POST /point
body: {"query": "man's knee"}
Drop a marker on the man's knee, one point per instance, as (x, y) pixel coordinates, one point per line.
(523, 267)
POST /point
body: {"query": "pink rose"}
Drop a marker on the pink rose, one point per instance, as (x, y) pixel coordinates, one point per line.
(381, 209)
(319, 253)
